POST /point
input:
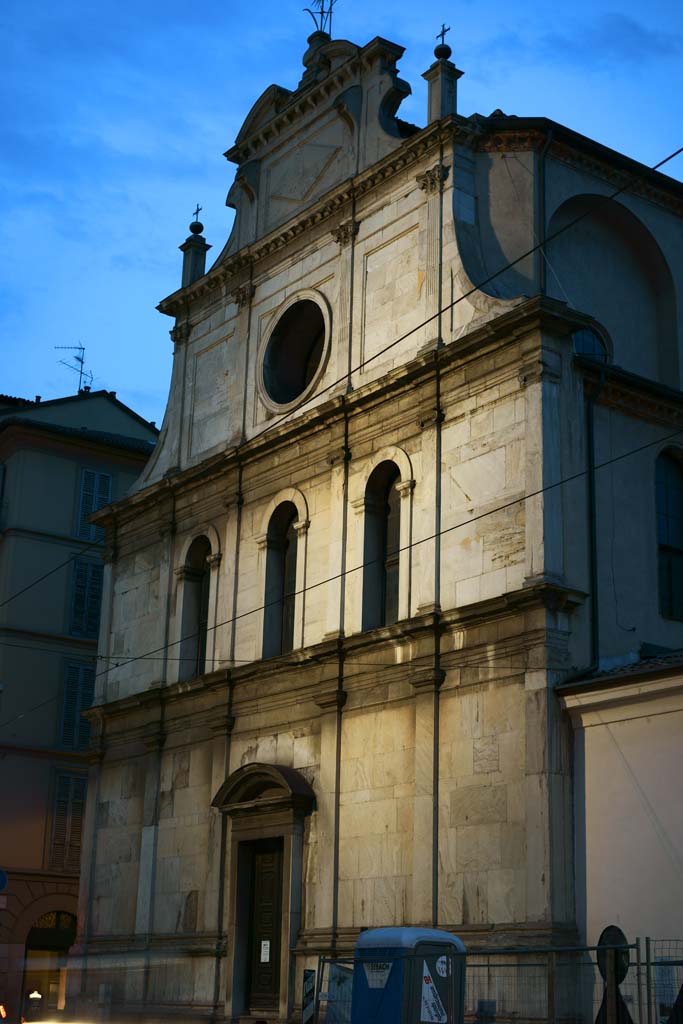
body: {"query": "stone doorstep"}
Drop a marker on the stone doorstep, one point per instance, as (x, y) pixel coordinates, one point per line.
(267, 1017)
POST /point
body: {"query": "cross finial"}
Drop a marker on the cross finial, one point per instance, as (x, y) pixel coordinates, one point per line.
(442, 34)
(197, 212)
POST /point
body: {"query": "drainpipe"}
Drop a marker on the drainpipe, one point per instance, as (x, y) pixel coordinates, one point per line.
(220, 934)
(542, 276)
(229, 723)
(592, 524)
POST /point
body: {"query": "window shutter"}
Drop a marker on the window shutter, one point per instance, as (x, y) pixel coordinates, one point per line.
(71, 706)
(94, 600)
(87, 503)
(73, 855)
(87, 598)
(79, 688)
(67, 826)
(80, 593)
(60, 825)
(95, 493)
(86, 694)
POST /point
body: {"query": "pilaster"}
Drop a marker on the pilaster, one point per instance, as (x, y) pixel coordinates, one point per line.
(426, 686)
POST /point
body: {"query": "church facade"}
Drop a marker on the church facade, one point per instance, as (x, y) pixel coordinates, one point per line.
(416, 471)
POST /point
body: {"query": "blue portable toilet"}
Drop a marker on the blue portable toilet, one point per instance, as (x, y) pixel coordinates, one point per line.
(408, 976)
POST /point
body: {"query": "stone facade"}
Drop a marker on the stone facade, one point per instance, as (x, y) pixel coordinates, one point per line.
(418, 772)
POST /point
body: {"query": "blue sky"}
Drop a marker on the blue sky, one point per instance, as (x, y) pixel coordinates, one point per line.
(114, 118)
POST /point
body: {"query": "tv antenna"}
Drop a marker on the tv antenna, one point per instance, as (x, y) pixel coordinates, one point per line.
(83, 374)
(322, 16)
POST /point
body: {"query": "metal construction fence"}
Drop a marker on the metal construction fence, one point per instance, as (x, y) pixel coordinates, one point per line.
(641, 983)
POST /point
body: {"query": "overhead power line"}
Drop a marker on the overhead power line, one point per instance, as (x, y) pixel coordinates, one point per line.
(278, 421)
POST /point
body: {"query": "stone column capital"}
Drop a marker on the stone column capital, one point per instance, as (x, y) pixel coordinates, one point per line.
(345, 232)
(430, 181)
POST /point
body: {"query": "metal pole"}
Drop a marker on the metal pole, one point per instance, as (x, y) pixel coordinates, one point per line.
(648, 977)
(611, 983)
(639, 967)
(552, 965)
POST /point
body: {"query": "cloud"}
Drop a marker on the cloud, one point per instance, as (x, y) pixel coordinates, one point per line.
(609, 38)
(596, 44)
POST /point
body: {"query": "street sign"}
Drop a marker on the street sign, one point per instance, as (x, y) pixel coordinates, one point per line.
(613, 936)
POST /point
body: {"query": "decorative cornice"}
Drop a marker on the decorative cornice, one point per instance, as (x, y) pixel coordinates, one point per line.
(526, 318)
(405, 156)
(213, 561)
(632, 395)
(515, 140)
(432, 180)
(345, 232)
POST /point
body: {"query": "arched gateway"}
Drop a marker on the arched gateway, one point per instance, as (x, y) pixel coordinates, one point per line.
(266, 805)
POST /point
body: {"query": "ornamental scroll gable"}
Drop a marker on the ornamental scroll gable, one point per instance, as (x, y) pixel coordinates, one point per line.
(296, 145)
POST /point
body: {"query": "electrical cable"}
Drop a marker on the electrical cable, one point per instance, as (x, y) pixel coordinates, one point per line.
(77, 554)
(274, 423)
(444, 309)
(407, 547)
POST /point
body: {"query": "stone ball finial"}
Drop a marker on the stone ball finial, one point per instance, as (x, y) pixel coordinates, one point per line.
(443, 51)
(196, 227)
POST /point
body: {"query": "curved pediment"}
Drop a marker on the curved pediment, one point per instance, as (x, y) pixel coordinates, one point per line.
(267, 106)
(256, 788)
(296, 146)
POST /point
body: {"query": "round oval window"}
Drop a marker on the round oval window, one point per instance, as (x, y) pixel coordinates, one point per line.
(294, 352)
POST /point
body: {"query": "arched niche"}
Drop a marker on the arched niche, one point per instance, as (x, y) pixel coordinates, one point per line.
(266, 805)
(608, 264)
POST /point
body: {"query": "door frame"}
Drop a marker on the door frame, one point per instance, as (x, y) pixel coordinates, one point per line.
(263, 802)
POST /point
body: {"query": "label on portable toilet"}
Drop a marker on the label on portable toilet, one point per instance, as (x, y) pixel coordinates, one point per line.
(433, 1011)
(377, 973)
(443, 967)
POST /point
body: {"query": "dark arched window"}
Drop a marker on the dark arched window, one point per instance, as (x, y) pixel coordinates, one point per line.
(381, 546)
(279, 598)
(195, 616)
(669, 482)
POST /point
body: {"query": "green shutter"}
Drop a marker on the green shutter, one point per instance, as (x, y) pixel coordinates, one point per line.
(95, 493)
(70, 709)
(86, 598)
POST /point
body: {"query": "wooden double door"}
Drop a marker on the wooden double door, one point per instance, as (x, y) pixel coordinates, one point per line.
(265, 925)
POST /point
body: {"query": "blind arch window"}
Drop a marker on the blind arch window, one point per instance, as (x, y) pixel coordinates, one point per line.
(669, 493)
(280, 589)
(196, 574)
(381, 546)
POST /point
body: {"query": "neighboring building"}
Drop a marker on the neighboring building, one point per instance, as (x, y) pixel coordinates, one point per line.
(350, 578)
(59, 462)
